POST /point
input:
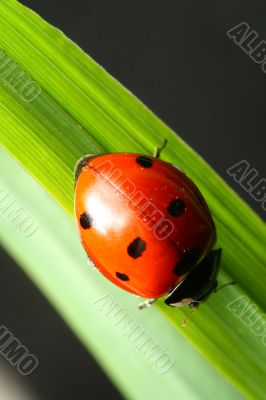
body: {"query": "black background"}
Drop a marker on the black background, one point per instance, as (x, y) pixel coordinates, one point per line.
(176, 57)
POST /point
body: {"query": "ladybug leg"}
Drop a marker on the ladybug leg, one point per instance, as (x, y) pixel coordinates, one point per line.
(158, 150)
(188, 316)
(224, 285)
(157, 153)
(146, 303)
(91, 264)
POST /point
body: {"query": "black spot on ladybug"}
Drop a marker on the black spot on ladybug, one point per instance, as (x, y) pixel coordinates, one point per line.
(145, 162)
(136, 248)
(122, 277)
(189, 260)
(85, 221)
(176, 207)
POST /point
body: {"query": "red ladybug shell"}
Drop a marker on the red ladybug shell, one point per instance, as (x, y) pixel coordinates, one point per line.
(142, 221)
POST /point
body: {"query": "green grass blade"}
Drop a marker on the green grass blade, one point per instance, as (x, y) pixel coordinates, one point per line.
(81, 109)
(72, 286)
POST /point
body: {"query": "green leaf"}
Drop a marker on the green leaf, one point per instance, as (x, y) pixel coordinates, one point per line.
(50, 253)
(74, 108)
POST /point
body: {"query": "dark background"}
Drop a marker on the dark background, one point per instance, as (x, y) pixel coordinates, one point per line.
(176, 57)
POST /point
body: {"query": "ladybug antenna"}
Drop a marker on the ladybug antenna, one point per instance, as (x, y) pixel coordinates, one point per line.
(146, 304)
(158, 150)
(188, 316)
(224, 285)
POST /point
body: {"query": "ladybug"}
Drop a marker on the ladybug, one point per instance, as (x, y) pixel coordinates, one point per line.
(146, 227)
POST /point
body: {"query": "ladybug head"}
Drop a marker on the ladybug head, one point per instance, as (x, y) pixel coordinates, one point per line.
(82, 162)
(198, 284)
